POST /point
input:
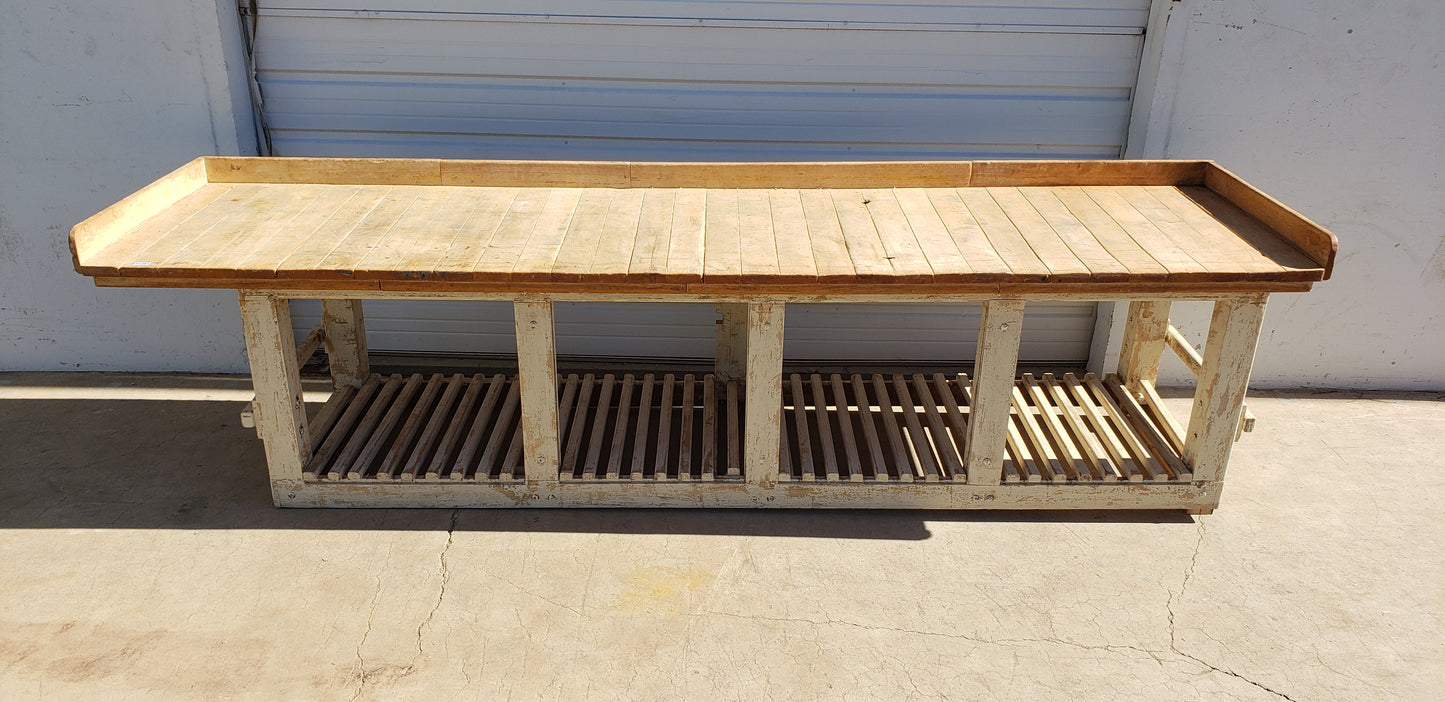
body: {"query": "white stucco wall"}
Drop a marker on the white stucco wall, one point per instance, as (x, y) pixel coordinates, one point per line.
(1337, 108)
(96, 100)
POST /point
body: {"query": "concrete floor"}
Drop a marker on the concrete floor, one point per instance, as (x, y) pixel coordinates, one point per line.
(140, 555)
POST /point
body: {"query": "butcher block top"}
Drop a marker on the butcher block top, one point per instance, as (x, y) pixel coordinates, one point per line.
(1005, 227)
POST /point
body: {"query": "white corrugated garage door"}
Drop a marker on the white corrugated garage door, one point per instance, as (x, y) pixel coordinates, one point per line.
(703, 80)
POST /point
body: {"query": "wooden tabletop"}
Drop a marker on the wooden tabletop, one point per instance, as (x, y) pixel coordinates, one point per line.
(929, 225)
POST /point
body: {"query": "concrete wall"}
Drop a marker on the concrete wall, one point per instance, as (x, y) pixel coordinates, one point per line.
(1335, 108)
(96, 100)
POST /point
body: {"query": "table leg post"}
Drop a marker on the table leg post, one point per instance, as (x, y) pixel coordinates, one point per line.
(994, 366)
(279, 411)
(763, 403)
(1223, 380)
(345, 335)
(1143, 343)
(730, 362)
(537, 374)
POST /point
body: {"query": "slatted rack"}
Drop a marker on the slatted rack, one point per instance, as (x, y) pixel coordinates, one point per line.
(751, 239)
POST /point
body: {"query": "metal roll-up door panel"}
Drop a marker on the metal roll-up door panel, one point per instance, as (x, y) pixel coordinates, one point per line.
(699, 80)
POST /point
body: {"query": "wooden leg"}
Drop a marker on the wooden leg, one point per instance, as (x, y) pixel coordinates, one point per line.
(279, 413)
(763, 407)
(1143, 344)
(537, 374)
(732, 341)
(993, 381)
(1223, 380)
(345, 334)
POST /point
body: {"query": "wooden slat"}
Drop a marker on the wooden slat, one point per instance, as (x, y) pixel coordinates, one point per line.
(468, 241)
(801, 437)
(825, 430)
(579, 245)
(504, 249)
(326, 417)
(734, 421)
(345, 257)
(1069, 454)
(512, 463)
(825, 235)
(1046, 243)
(684, 435)
(973, 245)
(456, 429)
(321, 459)
(305, 255)
(1149, 468)
(1163, 417)
(722, 250)
(1173, 255)
(644, 416)
(117, 249)
(402, 446)
(613, 253)
(653, 242)
(1026, 461)
(891, 430)
(539, 253)
(709, 427)
(865, 248)
(1007, 242)
(1097, 462)
(934, 239)
(919, 439)
(573, 436)
(1121, 247)
(1153, 439)
(1214, 246)
(240, 204)
(383, 431)
(899, 241)
(1249, 234)
(619, 428)
(1050, 468)
(790, 234)
(956, 421)
(685, 247)
(664, 429)
(432, 433)
(495, 439)
(870, 429)
(345, 465)
(852, 463)
(1117, 452)
(1090, 251)
(407, 245)
(757, 238)
(599, 427)
(943, 442)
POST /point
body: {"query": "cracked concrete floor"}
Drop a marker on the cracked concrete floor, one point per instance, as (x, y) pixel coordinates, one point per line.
(141, 557)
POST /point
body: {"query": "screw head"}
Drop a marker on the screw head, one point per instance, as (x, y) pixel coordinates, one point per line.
(1003, 326)
(987, 461)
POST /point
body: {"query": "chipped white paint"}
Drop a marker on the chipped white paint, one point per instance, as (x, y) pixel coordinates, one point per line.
(537, 374)
(280, 414)
(993, 383)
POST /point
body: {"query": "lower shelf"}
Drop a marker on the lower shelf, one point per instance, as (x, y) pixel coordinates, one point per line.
(836, 429)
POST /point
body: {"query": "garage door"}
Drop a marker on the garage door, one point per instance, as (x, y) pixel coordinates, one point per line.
(703, 80)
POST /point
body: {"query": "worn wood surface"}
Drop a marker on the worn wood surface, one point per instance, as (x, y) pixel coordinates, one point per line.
(1027, 226)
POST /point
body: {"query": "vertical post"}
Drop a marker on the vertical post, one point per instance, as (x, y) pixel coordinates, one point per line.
(993, 380)
(537, 373)
(730, 361)
(763, 406)
(1223, 380)
(279, 412)
(1143, 342)
(345, 335)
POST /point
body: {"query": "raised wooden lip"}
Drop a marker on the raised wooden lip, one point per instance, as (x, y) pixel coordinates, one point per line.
(102, 229)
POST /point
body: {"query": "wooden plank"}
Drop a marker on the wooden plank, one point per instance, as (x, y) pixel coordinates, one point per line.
(1153, 439)
(432, 433)
(1214, 246)
(1183, 349)
(640, 443)
(790, 234)
(537, 374)
(512, 462)
(217, 251)
(261, 255)
(1123, 248)
(870, 429)
(957, 424)
(497, 437)
(533, 174)
(383, 432)
(620, 427)
(320, 425)
(109, 251)
(1257, 239)
(504, 249)
(684, 435)
(344, 328)
(730, 358)
(1027, 463)
(1068, 453)
(801, 437)
(735, 452)
(108, 226)
(599, 427)
(685, 248)
(1050, 467)
(664, 429)
(405, 248)
(865, 246)
(1149, 468)
(345, 257)
(722, 250)
(1120, 464)
(764, 396)
(335, 171)
(1003, 237)
(829, 174)
(321, 461)
(222, 214)
(891, 430)
(1143, 343)
(921, 447)
(280, 410)
(579, 245)
(1095, 256)
(468, 241)
(1219, 398)
(1015, 173)
(985, 265)
(456, 429)
(825, 430)
(1173, 255)
(1096, 460)
(709, 427)
(994, 364)
(934, 239)
(1046, 243)
(538, 253)
(573, 437)
(899, 241)
(1312, 239)
(303, 257)
(852, 463)
(653, 242)
(402, 447)
(360, 438)
(758, 242)
(825, 238)
(943, 442)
